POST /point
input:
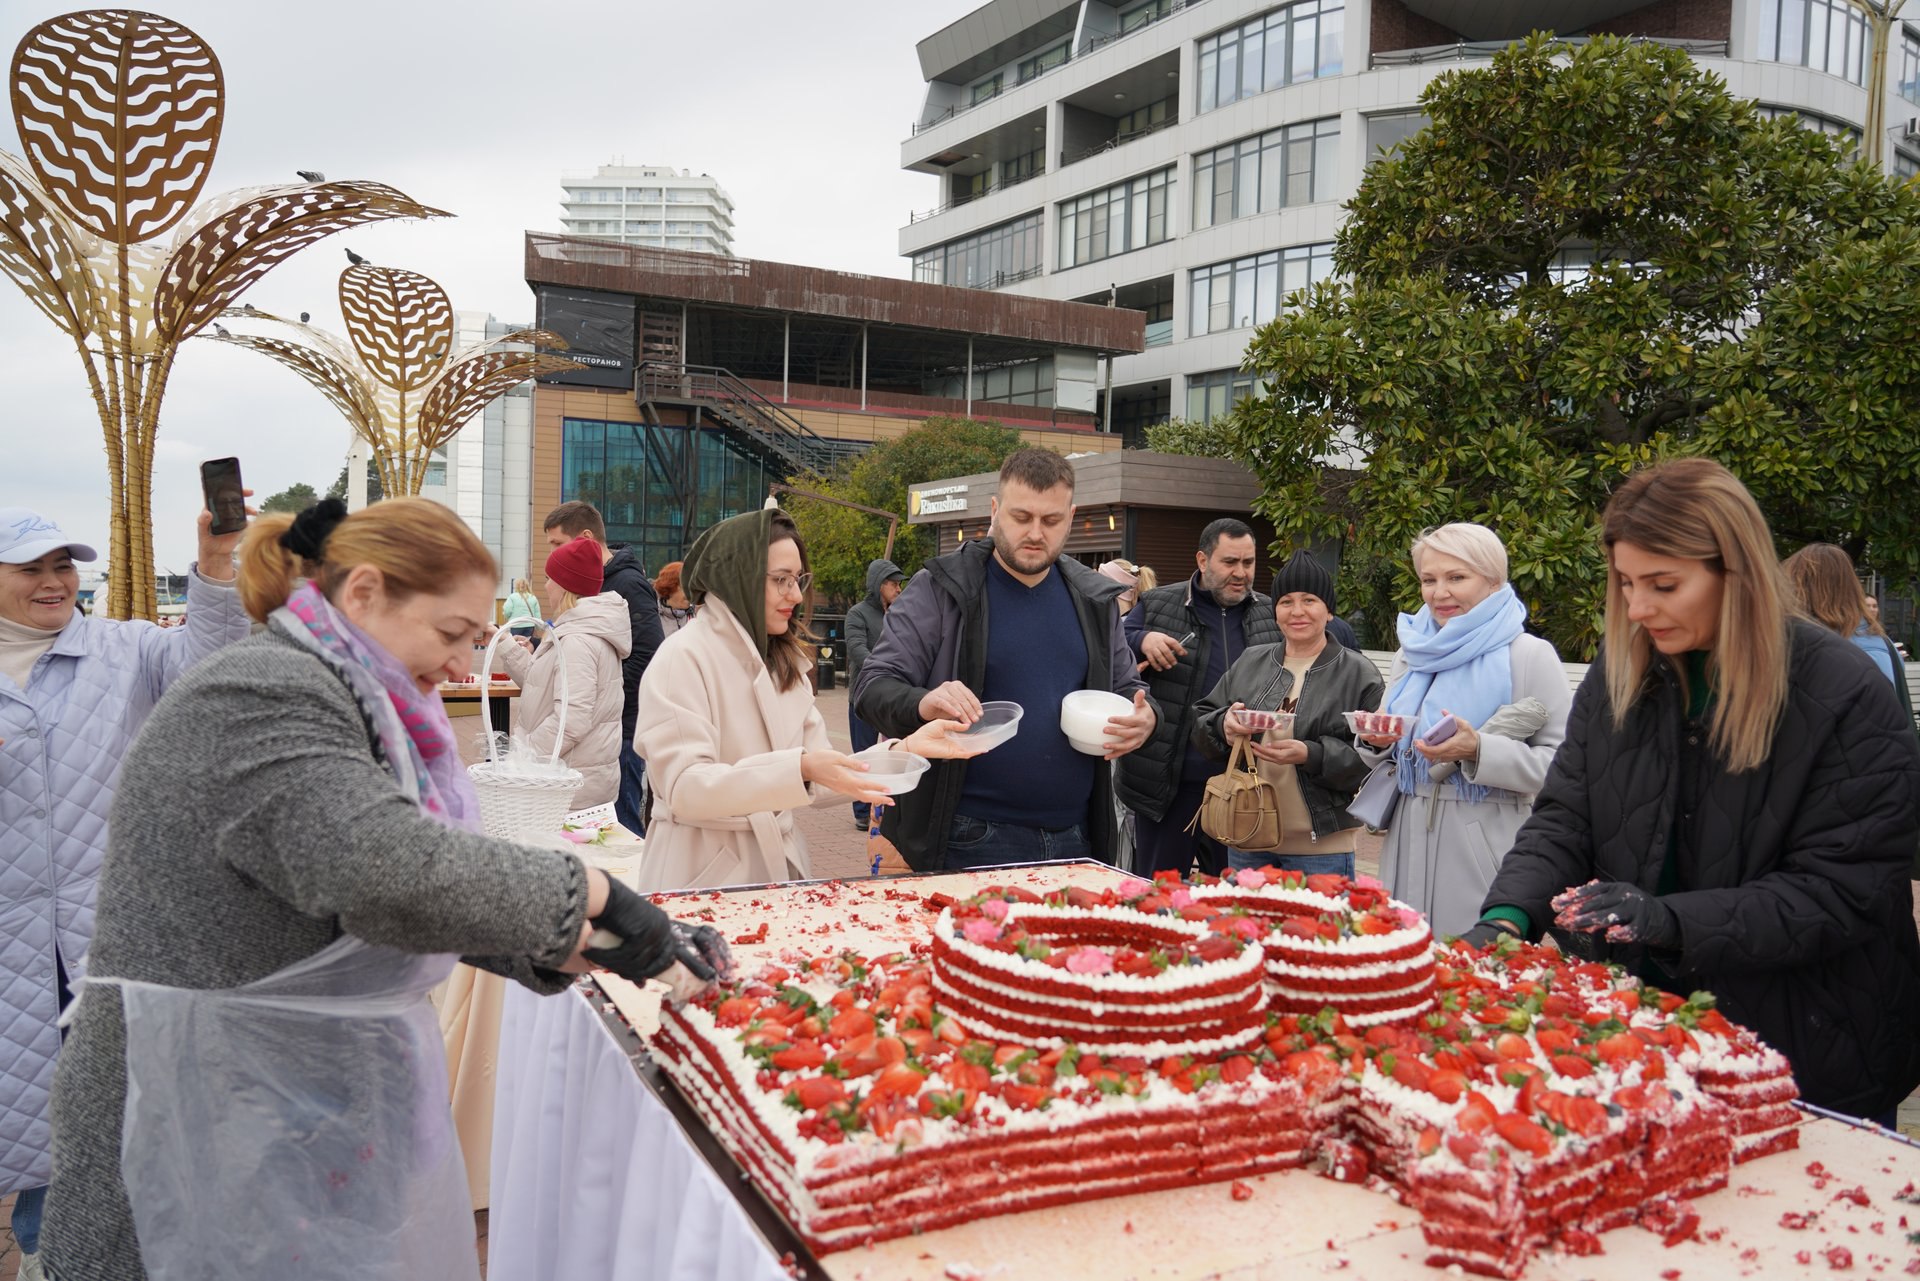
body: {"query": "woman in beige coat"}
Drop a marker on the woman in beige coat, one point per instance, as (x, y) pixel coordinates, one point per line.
(727, 722)
(592, 633)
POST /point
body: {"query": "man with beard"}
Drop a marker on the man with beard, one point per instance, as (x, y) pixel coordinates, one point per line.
(1189, 634)
(1007, 619)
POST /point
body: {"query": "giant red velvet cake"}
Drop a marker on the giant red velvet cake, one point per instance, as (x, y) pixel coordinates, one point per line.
(1094, 1043)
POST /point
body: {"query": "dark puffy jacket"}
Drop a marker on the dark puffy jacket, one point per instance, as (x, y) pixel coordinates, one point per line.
(937, 632)
(1147, 779)
(1793, 898)
(624, 574)
(1339, 681)
(868, 619)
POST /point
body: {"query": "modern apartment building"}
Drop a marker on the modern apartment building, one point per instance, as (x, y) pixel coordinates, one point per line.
(649, 205)
(1190, 158)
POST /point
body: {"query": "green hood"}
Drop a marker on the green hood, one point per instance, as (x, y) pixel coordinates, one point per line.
(730, 561)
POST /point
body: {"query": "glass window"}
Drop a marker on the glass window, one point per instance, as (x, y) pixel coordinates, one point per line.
(998, 256)
(1293, 165)
(1812, 120)
(988, 88)
(648, 486)
(1210, 395)
(1909, 83)
(1302, 41)
(1251, 291)
(1144, 119)
(1140, 15)
(1127, 216)
(1826, 35)
(1041, 63)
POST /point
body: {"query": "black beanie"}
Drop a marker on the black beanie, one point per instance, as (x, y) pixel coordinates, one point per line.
(1302, 573)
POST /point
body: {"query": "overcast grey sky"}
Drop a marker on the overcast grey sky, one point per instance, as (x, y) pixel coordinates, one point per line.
(477, 108)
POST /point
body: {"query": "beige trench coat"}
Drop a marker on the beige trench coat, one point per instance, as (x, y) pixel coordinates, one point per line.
(722, 748)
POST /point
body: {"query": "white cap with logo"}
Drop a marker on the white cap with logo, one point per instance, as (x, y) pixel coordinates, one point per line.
(27, 536)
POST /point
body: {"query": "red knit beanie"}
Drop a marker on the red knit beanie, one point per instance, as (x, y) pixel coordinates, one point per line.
(577, 566)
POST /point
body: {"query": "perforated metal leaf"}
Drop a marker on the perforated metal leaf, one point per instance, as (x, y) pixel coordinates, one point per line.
(534, 338)
(474, 381)
(400, 323)
(119, 114)
(343, 386)
(37, 254)
(221, 258)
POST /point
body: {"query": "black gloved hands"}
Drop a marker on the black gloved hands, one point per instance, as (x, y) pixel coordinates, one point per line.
(703, 949)
(631, 936)
(1626, 912)
(1485, 934)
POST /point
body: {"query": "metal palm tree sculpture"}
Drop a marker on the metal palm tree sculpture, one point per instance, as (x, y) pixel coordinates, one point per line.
(397, 380)
(119, 114)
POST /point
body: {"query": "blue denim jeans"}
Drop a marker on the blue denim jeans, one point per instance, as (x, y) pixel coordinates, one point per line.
(976, 842)
(1306, 864)
(27, 1205)
(627, 805)
(863, 736)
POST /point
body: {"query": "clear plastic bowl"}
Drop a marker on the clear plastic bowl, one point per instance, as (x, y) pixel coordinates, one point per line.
(1376, 723)
(1084, 715)
(998, 722)
(1282, 722)
(893, 772)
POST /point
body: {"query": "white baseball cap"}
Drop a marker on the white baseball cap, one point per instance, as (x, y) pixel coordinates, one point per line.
(27, 536)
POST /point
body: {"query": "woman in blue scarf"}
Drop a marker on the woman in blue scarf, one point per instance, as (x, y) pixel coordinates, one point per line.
(1463, 654)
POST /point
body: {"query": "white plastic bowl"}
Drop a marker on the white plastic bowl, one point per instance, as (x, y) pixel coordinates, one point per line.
(1084, 715)
(893, 772)
(999, 721)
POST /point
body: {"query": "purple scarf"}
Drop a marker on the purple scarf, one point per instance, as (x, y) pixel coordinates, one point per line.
(415, 735)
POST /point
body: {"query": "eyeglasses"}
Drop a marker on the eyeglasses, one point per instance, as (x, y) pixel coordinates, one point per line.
(784, 583)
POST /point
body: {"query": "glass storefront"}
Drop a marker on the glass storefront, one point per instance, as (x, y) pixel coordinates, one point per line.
(653, 496)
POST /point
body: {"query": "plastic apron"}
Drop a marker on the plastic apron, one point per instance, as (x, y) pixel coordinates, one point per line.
(296, 1128)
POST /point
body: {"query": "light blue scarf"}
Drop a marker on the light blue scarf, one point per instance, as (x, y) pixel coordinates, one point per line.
(1463, 668)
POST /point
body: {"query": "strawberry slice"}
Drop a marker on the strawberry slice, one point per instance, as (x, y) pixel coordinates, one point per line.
(1526, 1135)
(849, 1023)
(802, 1054)
(816, 1092)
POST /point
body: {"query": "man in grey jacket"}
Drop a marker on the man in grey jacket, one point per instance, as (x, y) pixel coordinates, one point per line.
(1006, 619)
(865, 622)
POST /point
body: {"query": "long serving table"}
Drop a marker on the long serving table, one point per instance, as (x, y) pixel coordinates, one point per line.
(602, 1173)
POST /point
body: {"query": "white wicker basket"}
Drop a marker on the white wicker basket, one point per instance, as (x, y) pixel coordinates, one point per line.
(518, 806)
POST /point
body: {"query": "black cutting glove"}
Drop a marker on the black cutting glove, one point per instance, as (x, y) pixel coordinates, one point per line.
(632, 937)
(1626, 912)
(1485, 934)
(703, 950)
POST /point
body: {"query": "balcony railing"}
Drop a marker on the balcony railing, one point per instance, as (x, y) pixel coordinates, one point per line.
(972, 196)
(962, 108)
(1159, 333)
(1488, 48)
(1118, 140)
(1101, 42)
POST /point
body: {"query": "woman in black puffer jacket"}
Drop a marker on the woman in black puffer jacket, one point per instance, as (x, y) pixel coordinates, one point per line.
(1734, 807)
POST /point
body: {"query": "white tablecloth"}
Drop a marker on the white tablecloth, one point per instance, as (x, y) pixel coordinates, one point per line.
(593, 1179)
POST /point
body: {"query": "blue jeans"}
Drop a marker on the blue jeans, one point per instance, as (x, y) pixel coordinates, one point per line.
(1306, 864)
(627, 805)
(976, 842)
(27, 1206)
(863, 736)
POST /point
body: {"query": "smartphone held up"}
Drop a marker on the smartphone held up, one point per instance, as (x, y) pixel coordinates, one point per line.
(226, 498)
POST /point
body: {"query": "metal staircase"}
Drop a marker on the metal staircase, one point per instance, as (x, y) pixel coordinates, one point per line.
(765, 429)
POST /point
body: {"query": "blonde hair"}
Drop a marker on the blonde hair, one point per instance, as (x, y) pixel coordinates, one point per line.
(567, 601)
(1695, 509)
(1148, 579)
(522, 587)
(415, 543)
(1478, 547)
(1828, 590)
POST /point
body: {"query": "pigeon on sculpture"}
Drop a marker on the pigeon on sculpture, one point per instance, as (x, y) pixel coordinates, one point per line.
(220, 331)
(305, 316)
(311, 175)
(357, 260)
(248, 308)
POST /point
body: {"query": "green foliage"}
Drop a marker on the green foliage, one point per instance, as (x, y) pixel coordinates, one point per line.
(374, 493)
(1193, 437)
(841, 542)
(1754, 299)
(294, 498)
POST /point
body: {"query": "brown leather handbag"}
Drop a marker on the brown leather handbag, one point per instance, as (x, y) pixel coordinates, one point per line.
(1240, 808)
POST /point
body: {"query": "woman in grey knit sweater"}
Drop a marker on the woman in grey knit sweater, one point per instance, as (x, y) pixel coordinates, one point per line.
(300, 787)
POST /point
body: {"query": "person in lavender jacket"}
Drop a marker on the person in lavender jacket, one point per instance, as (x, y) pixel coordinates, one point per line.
(73, 691)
